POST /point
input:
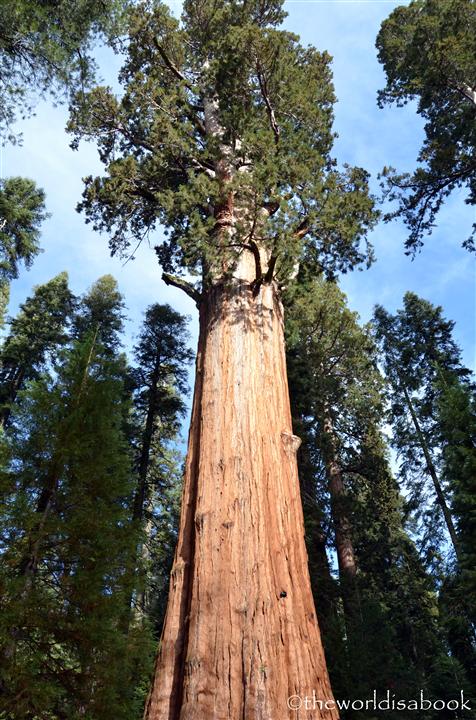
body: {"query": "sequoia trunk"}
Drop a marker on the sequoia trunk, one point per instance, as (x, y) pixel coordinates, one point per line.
(240, 634)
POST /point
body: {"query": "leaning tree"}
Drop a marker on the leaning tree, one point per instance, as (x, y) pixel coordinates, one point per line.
(222, 135)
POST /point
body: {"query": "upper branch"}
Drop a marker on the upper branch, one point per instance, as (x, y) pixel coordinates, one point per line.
(271, 114)
(171, 66)
(180, 76)
(302, 229)
(467, 91)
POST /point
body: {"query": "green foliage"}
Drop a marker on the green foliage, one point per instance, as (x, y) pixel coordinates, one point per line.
(457, 422)
(45, 46)
(67, 538)
(22, 210)
(33, 338)
(162, 357)
(222, 113)
(101, 309)
(159, 383)
(165, 495)
(428, 51)
(332, 365)
(403, 643)
(68, 564)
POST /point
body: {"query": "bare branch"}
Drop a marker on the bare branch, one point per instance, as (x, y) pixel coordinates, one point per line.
(181, 284)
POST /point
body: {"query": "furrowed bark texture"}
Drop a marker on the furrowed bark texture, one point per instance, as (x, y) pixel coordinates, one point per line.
(240, 634)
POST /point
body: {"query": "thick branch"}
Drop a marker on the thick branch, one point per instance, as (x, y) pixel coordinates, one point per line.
(171, 66)
(256, 254)
(180, 76)
(270, 271)
(181, 284)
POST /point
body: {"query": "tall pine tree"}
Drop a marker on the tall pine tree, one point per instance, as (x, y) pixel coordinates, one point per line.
(160, 382)
(389, 637)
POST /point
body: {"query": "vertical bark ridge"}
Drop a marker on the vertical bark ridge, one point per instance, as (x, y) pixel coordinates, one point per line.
(241, 633)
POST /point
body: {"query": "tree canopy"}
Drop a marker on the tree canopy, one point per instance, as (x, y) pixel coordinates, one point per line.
(223, 135)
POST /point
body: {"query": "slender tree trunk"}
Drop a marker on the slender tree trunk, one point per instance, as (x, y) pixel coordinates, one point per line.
(440, 495)
(342, 524)
(140, 497)
(240, 634)
(322, 582)
(343, 534)
(10, 396)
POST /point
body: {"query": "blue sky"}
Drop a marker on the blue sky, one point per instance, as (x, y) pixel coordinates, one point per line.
(442, 273)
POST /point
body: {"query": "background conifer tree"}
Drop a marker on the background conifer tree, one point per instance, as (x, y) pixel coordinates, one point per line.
(418, 349)
(68, 541)
(389, 635)
(427, 49)
(35, 335)
(22, 210)
(159, 381)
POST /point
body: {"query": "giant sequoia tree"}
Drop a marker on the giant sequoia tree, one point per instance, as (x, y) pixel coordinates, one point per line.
(223, 135)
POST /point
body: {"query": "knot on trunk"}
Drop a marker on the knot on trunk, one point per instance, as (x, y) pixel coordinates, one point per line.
(291, 442)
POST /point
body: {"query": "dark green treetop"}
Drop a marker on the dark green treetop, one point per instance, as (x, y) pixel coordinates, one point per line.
(223, 135)
(162, 358)
(34, 337)
(428, 51)
(22, 210)
(101, 310)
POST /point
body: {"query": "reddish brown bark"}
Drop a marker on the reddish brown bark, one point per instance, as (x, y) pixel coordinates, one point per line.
(240, 634)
